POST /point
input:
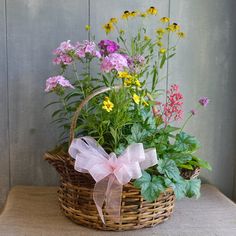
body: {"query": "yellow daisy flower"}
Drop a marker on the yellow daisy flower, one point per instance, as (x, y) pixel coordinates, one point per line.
(127, 82)
(136, 98)
(165, 19)
(124, 75)
(152, 11)
(160, 31)
(107, 104)
(108, 27)
(173, 27)
(181, 34)
(133, 13)
(126, 15)
(113, 20)
(162, 50)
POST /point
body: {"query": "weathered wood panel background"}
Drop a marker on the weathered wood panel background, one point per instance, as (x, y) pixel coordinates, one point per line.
(31, 29)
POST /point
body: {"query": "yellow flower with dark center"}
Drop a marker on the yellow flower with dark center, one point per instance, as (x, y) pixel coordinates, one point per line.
(108, 27)
(159, 43)
(181, 34)
(126, 15)
(152, 11)
(87, 27)
(113, 20)
(133, 13)
(160, 31)
(173, 27)
(162, 50)
(165, 19)
(136, 98)
(147, 38)
(107, 104)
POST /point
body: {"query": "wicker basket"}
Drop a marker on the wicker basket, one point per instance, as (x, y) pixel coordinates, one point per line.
(76, 198)
(190, 174)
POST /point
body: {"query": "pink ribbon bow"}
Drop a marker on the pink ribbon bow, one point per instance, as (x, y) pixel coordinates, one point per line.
(110, 172)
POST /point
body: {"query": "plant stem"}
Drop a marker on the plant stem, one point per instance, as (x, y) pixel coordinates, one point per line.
(77, 77)
(190, 116)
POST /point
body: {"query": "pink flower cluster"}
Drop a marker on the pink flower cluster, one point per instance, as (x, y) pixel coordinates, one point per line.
(53, 82)
(62, 53)
(86, 48)
(172, 109)
(65, 52)
(114, 61)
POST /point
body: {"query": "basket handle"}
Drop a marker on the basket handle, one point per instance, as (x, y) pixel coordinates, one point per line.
(83, 103)
(87, 99)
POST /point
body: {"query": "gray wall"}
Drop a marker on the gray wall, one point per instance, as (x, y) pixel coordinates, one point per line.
(31, 29)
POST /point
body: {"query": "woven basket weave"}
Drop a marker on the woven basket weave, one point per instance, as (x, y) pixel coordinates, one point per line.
(76, 194)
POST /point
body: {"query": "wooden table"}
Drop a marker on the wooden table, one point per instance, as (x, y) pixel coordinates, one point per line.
(33, 211)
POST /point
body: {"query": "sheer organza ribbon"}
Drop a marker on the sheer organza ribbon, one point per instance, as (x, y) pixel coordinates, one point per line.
(109, 172)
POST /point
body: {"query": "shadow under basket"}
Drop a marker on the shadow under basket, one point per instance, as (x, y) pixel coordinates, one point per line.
(76, 200)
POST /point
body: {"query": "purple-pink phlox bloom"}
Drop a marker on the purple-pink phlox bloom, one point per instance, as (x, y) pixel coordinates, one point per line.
(62, 53)
(64, 47)
(86, 48)
(204, 101)
(114, 61)
(54, 81)
(108, 46)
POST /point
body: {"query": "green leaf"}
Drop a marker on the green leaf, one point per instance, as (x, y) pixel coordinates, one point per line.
(163, 59)
(169, 169)
(185, 143)
(186, 166)
(169, 129)
(179, 187)
(202, 163)
(138, 134)
(193, 188)
(151, 187)
(179, 158)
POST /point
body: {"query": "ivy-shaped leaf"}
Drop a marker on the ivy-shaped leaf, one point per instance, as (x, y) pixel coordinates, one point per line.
(185, 143)
(168, 168)
(179, 187)
(193, 188)
(151, 187)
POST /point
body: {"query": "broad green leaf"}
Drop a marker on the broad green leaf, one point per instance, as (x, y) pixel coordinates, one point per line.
(179, 158)
(151, 187)
(193, 188)
(202, 163)
(185, 143)
(168, 168)
(179, 187)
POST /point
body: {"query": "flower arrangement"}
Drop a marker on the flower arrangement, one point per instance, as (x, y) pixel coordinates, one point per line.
(135, 110)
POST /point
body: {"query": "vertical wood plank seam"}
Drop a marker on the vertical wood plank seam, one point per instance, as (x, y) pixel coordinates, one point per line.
(168, 46)
(7, 100)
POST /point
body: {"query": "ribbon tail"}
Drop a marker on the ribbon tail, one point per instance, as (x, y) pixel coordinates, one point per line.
(99, 195)
(113, 198)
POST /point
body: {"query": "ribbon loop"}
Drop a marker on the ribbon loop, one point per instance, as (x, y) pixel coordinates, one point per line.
(110, 172)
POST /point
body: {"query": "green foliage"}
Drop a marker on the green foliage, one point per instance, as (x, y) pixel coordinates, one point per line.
(169, 169)
(151, 186)
(185, 143)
